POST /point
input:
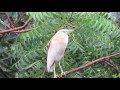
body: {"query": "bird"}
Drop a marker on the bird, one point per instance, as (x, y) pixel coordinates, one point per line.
(56, 48)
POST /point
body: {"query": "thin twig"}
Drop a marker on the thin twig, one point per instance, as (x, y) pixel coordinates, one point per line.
(87, 65)
(74, 26)
(21, 31)
(15, 29)
(5, 24)
(9, 20)
(22, 16)
(42, 76)
(112, 65)
(3, 73)
(4, 59)
(70, 16)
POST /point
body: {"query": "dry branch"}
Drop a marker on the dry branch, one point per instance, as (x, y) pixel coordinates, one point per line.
(15, 29)
(87, 65)
(9, 20)
(21, 31)
(4, 24)
(112, 65)
(22, 16)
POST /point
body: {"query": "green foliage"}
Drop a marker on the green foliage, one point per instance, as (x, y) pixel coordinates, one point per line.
(116, 76)
(97, 35)
(6, 41)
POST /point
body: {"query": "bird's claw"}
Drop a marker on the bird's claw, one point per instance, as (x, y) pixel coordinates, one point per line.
(63, 74)
(55, 76)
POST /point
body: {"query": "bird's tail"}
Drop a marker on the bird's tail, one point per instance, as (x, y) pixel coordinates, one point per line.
(51, 68)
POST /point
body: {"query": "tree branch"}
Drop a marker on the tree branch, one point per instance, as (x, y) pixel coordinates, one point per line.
(5, 24)
(21, 31)
(3, 73)
(9, 20)
(87, 65)
(19, 19)
(73, 26)
(15, 29)
(112, 65)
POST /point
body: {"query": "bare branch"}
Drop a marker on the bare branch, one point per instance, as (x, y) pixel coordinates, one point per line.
(15, 29)
(87, 65)
(3, 73)
(22, 16)
(4, 59)
(43, 74)
(112, 65)
(11, 24)
(5, 24)
(69, 24)
(21, 31)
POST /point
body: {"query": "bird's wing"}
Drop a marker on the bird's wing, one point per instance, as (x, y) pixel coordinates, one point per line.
(57, 46)
(49, 44)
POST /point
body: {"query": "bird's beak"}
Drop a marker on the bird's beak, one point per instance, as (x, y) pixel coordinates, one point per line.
(72, 30)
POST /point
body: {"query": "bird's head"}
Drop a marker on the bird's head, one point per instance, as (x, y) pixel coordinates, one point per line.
(66, 31)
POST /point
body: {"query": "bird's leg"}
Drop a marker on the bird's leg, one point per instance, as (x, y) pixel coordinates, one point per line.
(54, 71)
(63, 62)
(61, 69)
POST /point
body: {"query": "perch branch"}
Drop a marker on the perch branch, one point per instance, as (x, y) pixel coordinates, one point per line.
(15, 29)
(87, 65)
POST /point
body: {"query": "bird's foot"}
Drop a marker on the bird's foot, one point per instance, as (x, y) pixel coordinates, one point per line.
(63, 74)
(55, 76)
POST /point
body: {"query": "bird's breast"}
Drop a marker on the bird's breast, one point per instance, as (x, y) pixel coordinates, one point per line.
(57, 47)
